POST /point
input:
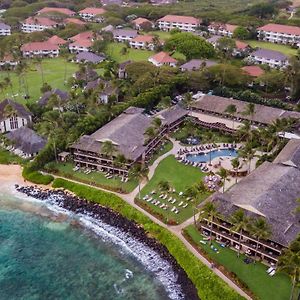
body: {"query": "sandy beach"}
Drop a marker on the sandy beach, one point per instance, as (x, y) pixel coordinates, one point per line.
(11, 173)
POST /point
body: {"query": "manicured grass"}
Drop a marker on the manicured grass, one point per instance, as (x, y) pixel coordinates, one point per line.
(53, 70)
(161, 151)
(252, 275)
(180, 177)
(94, 178)
(114, 51)
(7, 157)
(271, 46)
(163, 35)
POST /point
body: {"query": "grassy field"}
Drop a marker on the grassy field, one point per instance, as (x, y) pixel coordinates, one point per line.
(114, 51)
(180, 177)
(271, 46)
(253, 275)
(96, 178)
(163, 35)
(7, 157)
(53, 70)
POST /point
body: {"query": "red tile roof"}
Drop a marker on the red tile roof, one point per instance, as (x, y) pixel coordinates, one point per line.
(64, 11)
(93, 11)
(86, 35)
(74, 21)
(254, 71)
(140, 21)
(56, 40)
(38, 46)
(180, 19)
(294, 30)
(220, 26)
(82, 43)
(143, 39)
(241, 45)
(163, 58)
(40, 21)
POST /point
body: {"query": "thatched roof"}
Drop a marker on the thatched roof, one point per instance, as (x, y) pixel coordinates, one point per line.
(290, 154)
(20, 110)
(170, 115)
(26, 140)
(64, 96)
(270, 191)
(263, 114)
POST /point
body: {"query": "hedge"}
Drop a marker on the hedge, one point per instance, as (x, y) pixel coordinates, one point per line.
(36, 177)
(209, 285)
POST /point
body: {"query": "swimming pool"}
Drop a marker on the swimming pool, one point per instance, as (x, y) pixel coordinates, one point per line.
(214, 153)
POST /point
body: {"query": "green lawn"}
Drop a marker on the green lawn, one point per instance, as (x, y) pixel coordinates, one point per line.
(53, 70)
(166, 147)
(114, 51)
(287, 50)
(7, 157)
(253, 275)
(180, 177)
(163, 35)
(94, 178)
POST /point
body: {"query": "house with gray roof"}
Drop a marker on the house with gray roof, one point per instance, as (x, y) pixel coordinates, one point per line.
(269, 192)
(122, 69)
(4, 29)
(124, 35)
(26, 142)
(61, 95)
(127, 133)
(272, 58)
(197, 64)
(89, 57)
(13, 115)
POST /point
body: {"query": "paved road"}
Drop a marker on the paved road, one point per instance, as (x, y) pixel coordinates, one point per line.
(176, 230)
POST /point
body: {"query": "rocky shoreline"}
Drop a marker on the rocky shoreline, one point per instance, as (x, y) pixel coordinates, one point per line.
(112, 218)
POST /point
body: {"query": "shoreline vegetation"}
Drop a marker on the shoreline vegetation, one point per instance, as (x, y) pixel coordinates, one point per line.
(208, 285)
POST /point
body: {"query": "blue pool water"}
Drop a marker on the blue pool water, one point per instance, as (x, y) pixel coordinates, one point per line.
(214, 153)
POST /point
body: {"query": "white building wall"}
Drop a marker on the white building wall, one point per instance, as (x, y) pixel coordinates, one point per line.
(11, 125)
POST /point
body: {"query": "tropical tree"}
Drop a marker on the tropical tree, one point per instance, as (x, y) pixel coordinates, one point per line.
(150, 133)
(235, 163)
(250, 110)
(223, 173)
(139, 172)
(231, 110)
(164, 186)
(260, 229)
(108, 149)
(210, 213)
(289, 263)
(210, 139)
(240, 224)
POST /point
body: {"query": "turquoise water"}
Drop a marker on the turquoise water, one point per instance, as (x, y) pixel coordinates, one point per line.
(47, 257)
(214, 154)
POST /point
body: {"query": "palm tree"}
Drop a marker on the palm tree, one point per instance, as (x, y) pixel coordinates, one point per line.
(156, 122)
(209, 138)
(164, 186)
(289, 263)
(235, 165)
(250, 110)
(231, 110)
(65, 54)
(108, 149)
(209, 213)
(150, 133)
(120, 161)
(260, 229)
(240, 223)
(139, 172)
(223, 173)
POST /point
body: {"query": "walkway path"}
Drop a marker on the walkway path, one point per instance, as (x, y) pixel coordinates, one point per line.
(176, 230)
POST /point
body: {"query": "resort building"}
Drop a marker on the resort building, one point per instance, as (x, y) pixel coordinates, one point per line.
(281, 34)
(92, 14)
(122, 69)
(124, 35)
(184, 23)
(111, 2)
(211, 111)
(142, 23)
(33, 24)
(162, 59)
(61, 96)
(269, 192)
(26, 143)
(241, 49)
(108, 93)
(13, 115)
(142, 42)
(197, 64)
(82, 42)
(40, 49)
(56, 40)
(222, 29)
(8, 61)
(89, 57)
(253, 71)
(4, 29)
(273, 59)
(56, 10)
(136, 147)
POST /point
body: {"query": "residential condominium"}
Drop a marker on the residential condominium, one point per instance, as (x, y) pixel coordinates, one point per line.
(281, 34)
(82, 42)
(184, 23)
(222, 29)
(124, 35)
(40, 49)
(33, 24)
(92, 14)
(142, 42)
(57, 10)
(4, 29)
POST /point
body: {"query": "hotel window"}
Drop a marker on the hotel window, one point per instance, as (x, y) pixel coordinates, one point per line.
(13, 122)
